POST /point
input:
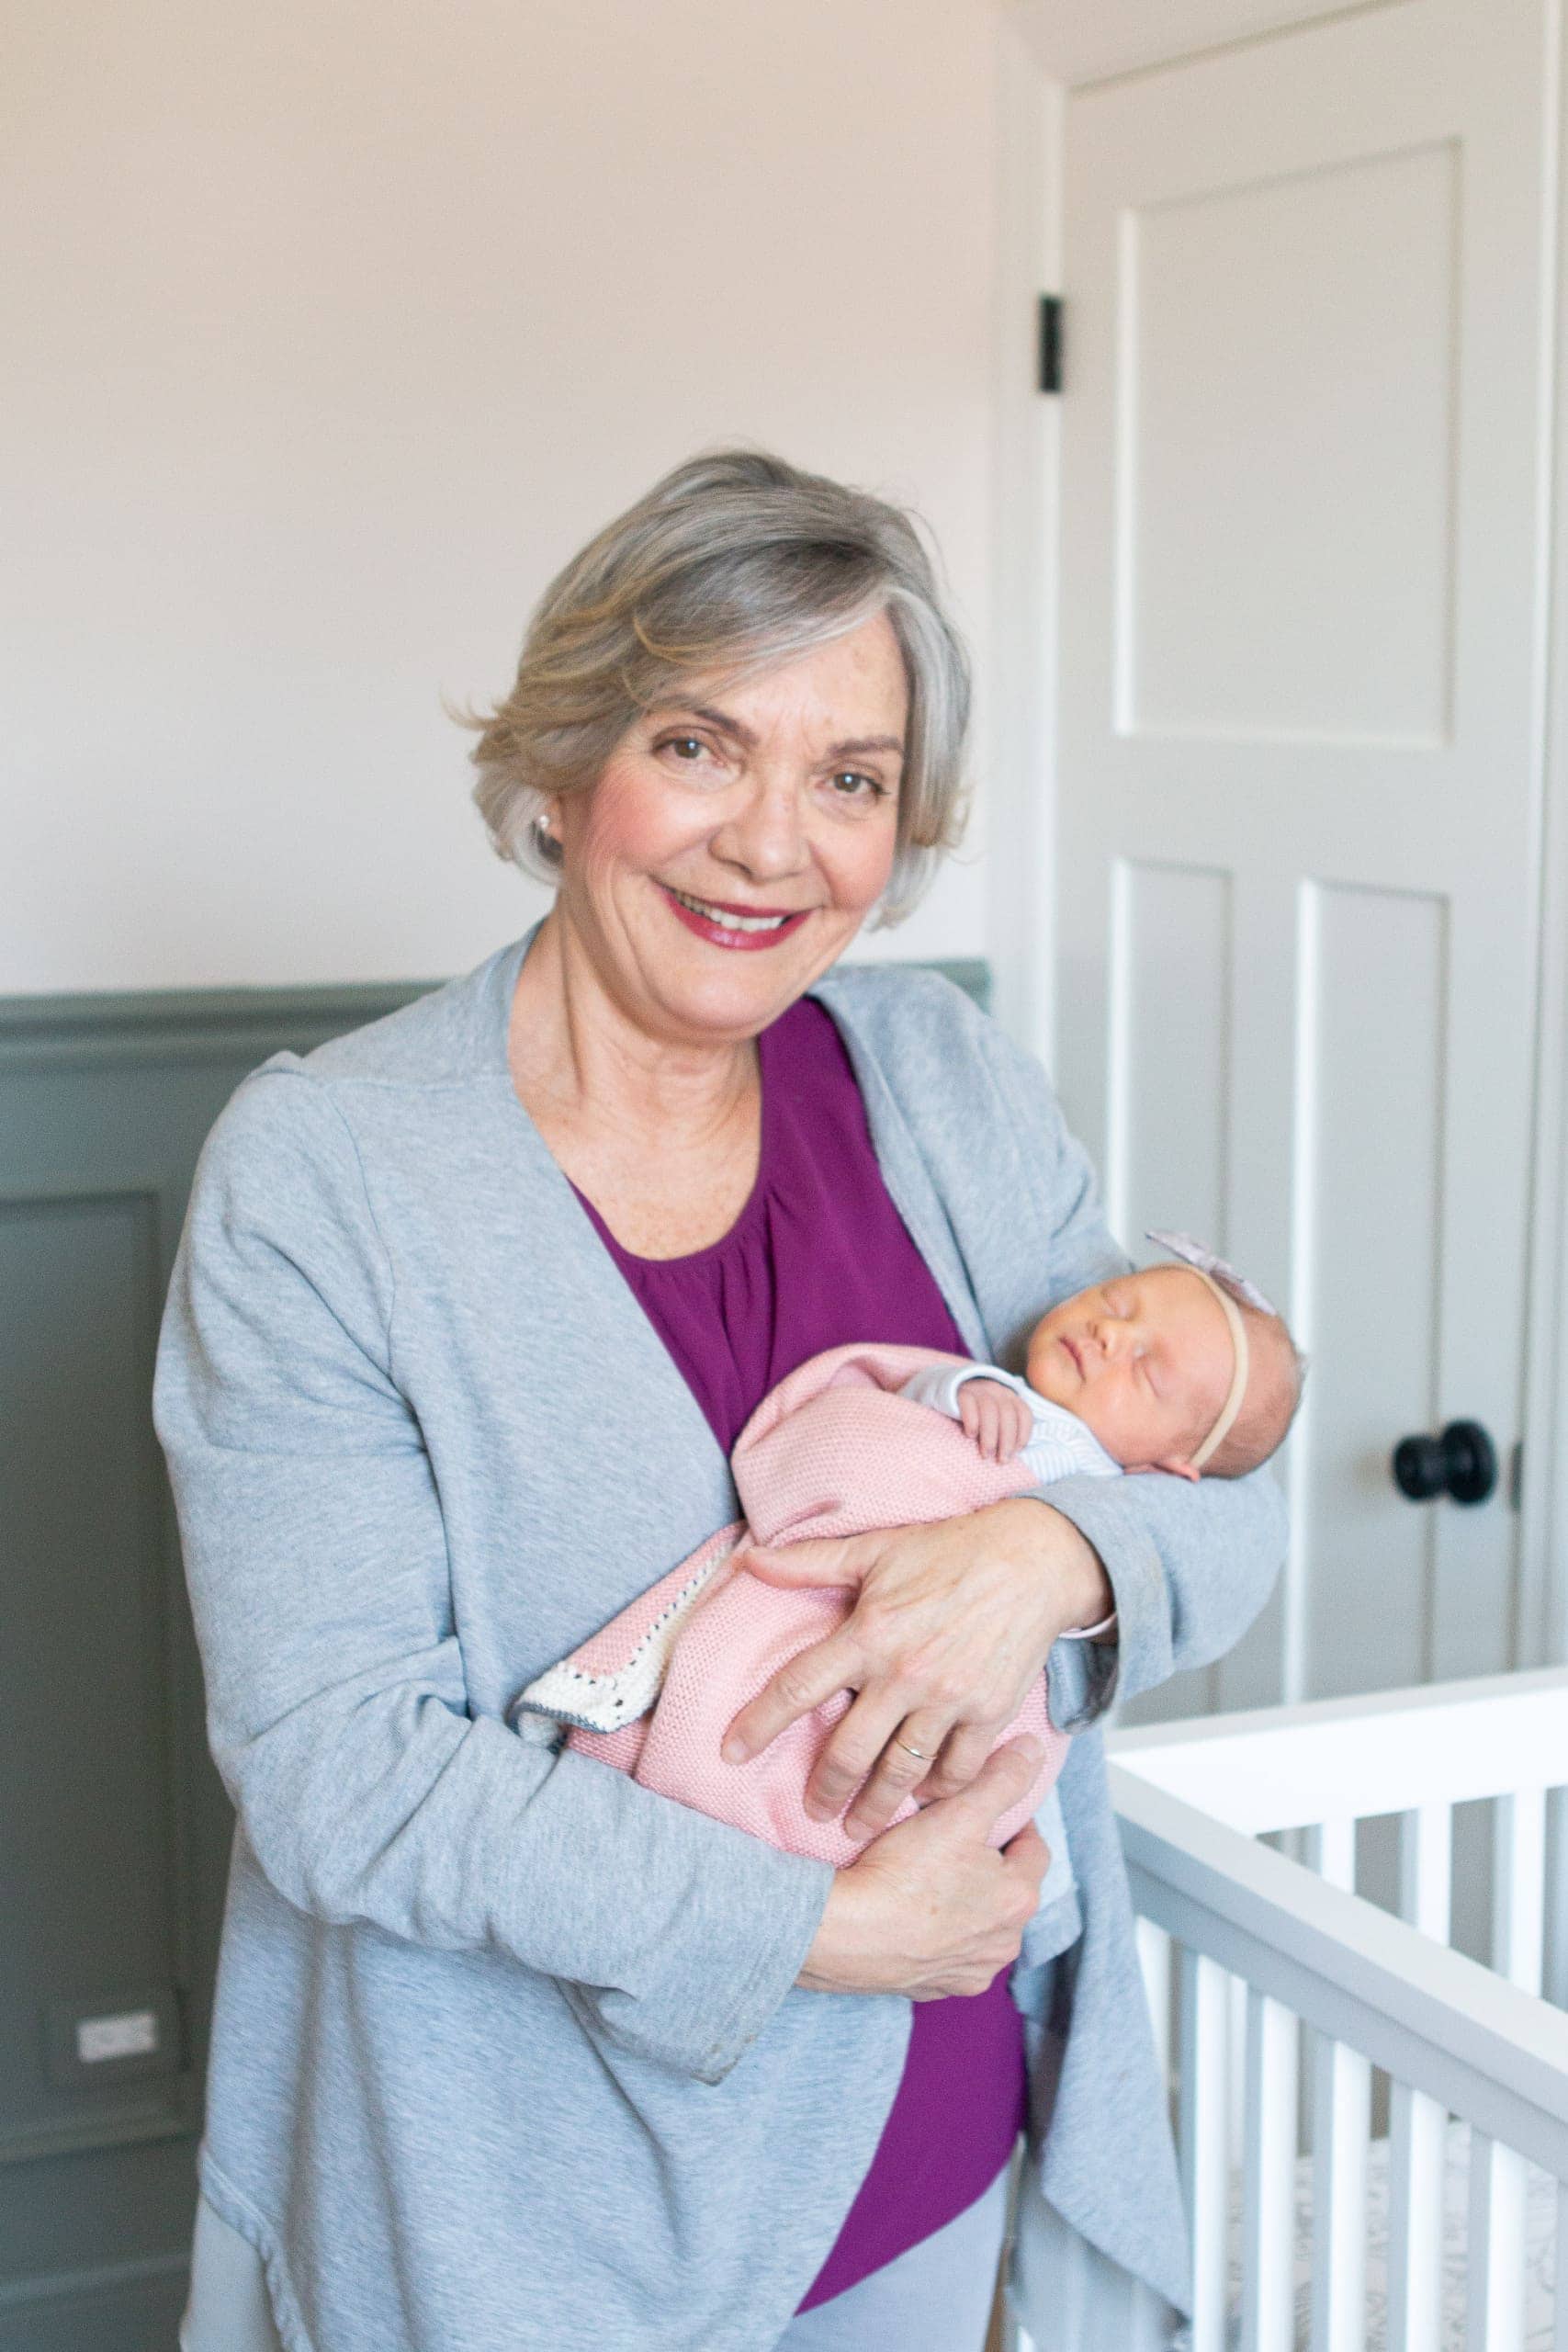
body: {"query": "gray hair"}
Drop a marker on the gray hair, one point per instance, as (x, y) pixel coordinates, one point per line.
(734, 561)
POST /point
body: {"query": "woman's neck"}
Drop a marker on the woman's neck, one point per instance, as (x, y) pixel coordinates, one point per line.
(664, 1137)
(579, 1059)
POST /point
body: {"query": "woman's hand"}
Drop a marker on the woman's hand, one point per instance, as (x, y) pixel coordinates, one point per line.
(931, 1908)
(952, 1623)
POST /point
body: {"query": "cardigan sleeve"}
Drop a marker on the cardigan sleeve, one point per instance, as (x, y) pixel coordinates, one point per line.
(1189, 1565)
(337, 1711)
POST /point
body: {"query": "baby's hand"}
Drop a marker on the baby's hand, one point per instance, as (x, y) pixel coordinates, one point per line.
(996, 1417)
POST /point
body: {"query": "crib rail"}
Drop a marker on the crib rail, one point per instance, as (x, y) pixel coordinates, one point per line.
(1344, 1759)
(1457, 2032)
(1243, 1948)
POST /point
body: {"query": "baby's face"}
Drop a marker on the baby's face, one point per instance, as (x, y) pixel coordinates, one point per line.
(1144, 1361)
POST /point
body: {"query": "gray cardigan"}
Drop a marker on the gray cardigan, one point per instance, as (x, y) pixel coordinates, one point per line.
(507, 2050)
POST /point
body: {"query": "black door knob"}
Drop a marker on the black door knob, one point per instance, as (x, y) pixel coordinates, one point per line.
(1463, 1463)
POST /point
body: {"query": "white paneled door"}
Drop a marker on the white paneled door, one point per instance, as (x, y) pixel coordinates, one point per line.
(1307, 303)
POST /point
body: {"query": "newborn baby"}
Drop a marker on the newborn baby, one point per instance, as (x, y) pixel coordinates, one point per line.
(1183, 1368)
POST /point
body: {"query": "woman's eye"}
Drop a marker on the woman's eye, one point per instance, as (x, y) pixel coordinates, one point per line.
(693, 752)
(850, 784)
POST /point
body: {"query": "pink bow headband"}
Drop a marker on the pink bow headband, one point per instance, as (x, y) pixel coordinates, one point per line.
(1229, 1287)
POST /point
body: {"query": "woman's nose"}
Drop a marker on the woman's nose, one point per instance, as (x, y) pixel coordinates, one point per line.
(766, 839)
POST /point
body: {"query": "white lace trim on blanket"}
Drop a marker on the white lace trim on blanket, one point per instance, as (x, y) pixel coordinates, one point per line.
(565, 1695)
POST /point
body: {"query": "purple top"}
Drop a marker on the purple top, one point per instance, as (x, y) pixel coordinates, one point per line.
(820, 1258)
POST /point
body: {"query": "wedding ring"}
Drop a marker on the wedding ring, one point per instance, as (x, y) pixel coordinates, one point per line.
(908, 1750)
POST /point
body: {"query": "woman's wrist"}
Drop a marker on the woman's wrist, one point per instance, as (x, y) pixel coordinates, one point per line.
(830, 1963)
(1080, 1595)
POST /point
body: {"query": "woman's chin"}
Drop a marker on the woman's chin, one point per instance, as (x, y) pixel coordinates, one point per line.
(721, 992)
(718, 1007)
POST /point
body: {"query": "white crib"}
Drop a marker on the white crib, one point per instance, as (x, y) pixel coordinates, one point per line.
(1269, 1977)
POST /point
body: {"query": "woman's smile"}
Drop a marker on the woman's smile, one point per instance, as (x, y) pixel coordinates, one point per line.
(726, 925)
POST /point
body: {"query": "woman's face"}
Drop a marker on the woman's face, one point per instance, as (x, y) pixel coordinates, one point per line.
(736, 838)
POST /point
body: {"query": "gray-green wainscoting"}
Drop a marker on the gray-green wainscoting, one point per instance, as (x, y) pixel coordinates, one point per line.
(114, 1830)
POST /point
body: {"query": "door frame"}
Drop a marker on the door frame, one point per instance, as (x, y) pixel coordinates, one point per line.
(1543, 1629)
(1046, 53)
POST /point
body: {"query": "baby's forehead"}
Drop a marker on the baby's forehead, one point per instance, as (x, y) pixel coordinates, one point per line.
(1179, 1294)
(1164, 1285)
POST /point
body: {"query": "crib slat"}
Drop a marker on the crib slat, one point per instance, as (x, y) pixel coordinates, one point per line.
(1269, 2172)
(1341, 2101)
(1154, 1960)
(1518, 1887)
(1497, 2176)
(1425, 1868)
(1494, 2266)
(1417, 2125)
(1417, 2132)
(1204, 2006)
(1331, 1853)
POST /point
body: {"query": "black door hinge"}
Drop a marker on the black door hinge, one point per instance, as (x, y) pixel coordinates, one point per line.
(1050, 342)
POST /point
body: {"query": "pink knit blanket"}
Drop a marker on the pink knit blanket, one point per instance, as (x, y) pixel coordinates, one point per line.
(832, 1451)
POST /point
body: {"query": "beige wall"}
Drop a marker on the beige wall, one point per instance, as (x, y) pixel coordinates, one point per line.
(332, 328)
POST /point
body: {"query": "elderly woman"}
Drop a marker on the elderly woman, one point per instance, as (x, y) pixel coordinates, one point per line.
(511, 2051)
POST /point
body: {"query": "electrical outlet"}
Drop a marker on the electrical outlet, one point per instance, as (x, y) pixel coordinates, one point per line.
(110, 2037)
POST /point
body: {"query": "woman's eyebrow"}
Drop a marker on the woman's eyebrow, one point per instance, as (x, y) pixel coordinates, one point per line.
(859, 745)
(720, 721)
(851, 746)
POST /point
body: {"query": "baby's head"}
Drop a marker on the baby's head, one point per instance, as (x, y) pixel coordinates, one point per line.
(1152, 1363)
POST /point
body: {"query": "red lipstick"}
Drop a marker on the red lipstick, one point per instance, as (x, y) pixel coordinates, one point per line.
(784, 922)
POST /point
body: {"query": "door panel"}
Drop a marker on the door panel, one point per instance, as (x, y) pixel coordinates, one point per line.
(1168, 1147)
(1368, 1184)
(1299, 744)
(1290, 356)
